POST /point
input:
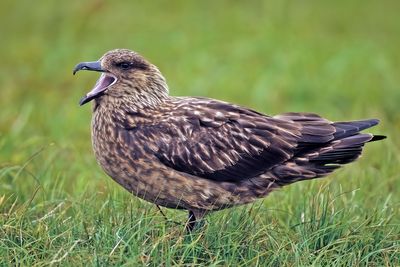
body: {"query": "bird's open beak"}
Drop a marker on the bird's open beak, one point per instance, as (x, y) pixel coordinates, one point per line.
(106, 80)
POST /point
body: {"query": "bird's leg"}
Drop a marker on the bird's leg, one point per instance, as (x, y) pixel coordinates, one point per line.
(191, 223)
(162, 213)
(165, 217)
(194, 219)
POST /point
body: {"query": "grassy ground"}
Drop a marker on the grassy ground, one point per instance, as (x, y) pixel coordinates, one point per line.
(340, 59)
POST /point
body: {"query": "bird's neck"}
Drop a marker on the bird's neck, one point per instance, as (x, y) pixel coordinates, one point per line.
(133, 99)
(128, 113)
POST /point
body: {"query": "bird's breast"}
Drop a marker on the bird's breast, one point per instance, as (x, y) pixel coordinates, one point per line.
(127, 159)
(111, 152)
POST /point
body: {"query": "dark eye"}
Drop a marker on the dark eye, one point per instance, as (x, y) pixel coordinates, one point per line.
(124, 65)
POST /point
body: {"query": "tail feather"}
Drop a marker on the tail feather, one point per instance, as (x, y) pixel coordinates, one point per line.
(341, 151)
(318, 159)
(344, 129)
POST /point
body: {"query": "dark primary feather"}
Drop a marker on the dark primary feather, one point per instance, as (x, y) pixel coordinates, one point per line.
(224, 142)
(318, 160)
(348, 128)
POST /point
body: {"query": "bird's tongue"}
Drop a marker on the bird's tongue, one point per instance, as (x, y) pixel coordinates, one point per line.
(105, 81)
(102, 84)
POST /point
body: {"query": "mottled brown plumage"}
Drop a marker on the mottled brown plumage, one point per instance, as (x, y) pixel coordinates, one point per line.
(202, 154)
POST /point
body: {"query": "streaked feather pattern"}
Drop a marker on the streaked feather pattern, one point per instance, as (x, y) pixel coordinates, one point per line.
(224, 142)
(202, 154)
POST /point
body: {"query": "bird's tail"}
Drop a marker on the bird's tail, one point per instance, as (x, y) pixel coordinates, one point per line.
(319, 160)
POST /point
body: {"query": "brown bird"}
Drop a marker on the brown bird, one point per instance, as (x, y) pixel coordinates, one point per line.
(202, 154)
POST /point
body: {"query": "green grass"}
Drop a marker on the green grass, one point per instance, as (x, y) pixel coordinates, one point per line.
(339, 59)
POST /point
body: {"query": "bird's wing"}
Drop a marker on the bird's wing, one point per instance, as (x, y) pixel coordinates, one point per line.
(224, 142)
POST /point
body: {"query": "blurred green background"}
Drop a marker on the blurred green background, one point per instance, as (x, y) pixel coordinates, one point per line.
(340, 59)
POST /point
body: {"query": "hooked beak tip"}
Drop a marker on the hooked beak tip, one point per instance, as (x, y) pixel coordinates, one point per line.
(84, 100)
(93, 66)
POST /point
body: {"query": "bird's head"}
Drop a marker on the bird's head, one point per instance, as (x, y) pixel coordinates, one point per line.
(125, 75)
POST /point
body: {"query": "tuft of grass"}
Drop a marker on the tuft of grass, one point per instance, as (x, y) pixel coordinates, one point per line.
(339, 59)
